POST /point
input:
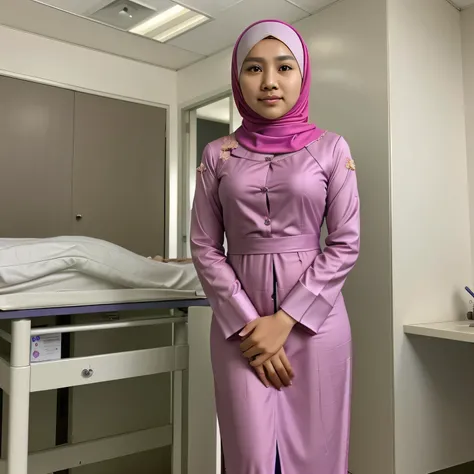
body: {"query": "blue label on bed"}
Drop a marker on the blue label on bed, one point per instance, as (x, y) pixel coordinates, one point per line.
(45, 348)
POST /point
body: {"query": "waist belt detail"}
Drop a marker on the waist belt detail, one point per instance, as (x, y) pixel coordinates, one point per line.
(269, 245)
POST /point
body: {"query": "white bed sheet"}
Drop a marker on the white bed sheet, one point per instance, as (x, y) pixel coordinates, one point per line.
(70, 270)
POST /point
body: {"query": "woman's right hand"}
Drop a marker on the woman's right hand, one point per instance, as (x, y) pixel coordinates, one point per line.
(276, 371)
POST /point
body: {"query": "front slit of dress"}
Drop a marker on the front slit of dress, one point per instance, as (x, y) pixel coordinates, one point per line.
(275, 309)
(275, 305)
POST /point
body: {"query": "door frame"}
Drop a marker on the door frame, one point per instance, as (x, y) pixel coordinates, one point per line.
(187, 157)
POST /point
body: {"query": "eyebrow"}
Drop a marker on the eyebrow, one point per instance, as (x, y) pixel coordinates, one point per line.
(262, 60)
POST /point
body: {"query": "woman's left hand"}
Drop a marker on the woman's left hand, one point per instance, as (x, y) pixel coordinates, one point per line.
(265, 336)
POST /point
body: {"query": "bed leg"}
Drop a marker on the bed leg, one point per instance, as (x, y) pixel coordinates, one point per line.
(19, 398)
(179, 338)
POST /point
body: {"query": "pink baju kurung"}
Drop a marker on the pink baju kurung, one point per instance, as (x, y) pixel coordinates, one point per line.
(271, 208)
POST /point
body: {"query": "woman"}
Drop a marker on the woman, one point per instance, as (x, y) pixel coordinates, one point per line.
(280, 337)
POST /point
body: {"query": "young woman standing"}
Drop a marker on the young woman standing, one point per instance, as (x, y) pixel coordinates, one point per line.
(280, 337)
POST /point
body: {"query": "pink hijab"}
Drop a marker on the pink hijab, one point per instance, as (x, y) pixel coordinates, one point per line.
(292, 132)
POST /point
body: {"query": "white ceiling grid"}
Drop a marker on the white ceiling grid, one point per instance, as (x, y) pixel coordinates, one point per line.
(209, 7)
(216, 35)
(79, 7)
(227, 17)
(311, 6)
(463, 3)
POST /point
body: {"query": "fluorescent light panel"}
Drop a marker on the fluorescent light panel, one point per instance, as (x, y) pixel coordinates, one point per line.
(171, 17)
(196, 20)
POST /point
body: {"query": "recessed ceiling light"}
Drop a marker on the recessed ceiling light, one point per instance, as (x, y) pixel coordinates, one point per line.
(181, 28)
(170, 23)
(159, 20)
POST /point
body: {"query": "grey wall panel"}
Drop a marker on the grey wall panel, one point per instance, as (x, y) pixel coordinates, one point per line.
(36, 143)
(119, 172)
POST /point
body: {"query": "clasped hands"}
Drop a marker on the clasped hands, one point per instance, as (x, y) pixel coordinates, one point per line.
(262, 343)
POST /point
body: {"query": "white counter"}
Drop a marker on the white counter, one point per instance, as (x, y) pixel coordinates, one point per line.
(453, 330)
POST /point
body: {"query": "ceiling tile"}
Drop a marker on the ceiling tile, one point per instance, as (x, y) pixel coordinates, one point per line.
(158, 5)
(222, 32)
(113, 14)
(463, 3)
(80, 7)
(208, 7)
(311, 6)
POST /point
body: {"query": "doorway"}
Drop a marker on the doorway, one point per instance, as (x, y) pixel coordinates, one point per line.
(204, 123)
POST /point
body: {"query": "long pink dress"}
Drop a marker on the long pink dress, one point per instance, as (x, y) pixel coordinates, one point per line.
(271, 209)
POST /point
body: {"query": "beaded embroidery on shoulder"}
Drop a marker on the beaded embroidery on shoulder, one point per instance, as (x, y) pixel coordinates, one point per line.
(350, 164)
(229, 144)
(201, 168)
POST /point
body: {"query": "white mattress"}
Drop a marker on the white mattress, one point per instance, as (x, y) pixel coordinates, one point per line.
(70, 271)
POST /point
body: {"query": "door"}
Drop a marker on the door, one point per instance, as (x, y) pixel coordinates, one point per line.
(36, 145)
(119, 173)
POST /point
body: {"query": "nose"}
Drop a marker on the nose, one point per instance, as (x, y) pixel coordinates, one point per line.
(269, 83)
(270, 87)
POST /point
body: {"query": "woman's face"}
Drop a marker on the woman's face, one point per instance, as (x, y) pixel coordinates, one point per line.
(270, 79)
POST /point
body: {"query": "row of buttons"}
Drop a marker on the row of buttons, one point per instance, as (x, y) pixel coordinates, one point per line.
(264, 189)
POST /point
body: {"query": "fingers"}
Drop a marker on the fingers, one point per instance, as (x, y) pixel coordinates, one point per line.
(249, 328)
(276, 370)
(252, 352)
(260, 359)
(272, 375)
(281, 371)
(247, 343)
(262, 376)
(286, 363)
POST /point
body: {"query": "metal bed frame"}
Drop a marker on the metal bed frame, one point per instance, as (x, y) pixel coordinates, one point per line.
(19, 378)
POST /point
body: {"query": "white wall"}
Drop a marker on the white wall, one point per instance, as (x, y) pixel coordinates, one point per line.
(36, 58)
(204, 79)
(347, 43)
(434, 387)
(467, 29)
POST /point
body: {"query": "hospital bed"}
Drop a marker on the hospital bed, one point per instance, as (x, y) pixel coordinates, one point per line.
(67, 276)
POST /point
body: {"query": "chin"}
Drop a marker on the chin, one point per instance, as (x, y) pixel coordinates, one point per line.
(271, 114)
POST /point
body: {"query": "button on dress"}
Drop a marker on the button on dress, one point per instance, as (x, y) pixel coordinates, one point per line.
(271, 209)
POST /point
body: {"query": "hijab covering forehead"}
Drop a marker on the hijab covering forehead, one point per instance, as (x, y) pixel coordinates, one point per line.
(289, 133)
(265, 29)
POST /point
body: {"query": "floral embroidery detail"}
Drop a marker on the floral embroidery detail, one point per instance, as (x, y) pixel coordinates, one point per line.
(230, 143)
(201, 168)
(350, 164)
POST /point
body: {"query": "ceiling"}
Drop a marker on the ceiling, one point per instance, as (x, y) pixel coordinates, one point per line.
(463, 3)
(71, 21)
(227, 18)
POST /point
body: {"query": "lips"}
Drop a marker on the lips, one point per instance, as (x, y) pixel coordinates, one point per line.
(270, 100)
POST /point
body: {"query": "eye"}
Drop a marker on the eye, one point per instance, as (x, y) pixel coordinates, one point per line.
(254, 68)
(286, 68)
